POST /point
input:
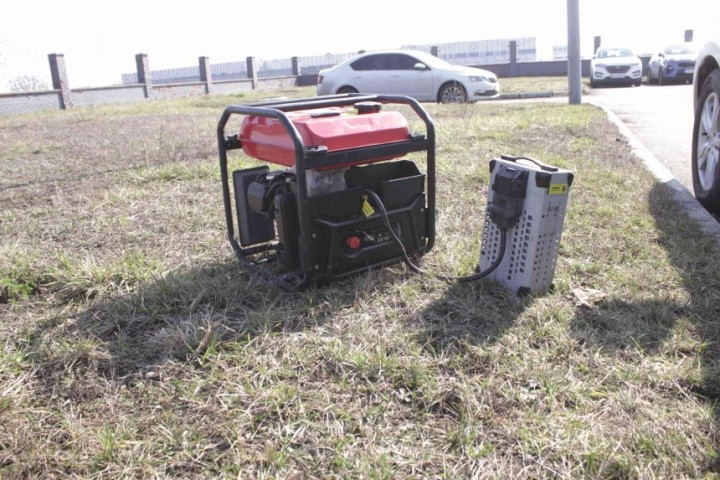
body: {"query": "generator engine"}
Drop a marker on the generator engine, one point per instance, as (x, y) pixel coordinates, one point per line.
(312, 220)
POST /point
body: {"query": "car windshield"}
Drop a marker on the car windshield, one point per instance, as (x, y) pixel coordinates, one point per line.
(679, 50)
(614, 52)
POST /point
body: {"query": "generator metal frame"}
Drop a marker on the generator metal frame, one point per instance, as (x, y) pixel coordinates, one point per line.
(316, 157)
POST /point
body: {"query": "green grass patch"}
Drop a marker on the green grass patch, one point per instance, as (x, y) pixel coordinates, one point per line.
(535, 84)
(134, 345)
(85, 278)
(174, 173)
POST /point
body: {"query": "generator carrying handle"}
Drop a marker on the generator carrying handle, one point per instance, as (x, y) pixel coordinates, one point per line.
(294, 104)
(276, 110)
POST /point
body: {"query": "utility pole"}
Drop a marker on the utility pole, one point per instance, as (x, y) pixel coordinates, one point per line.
(574, 65)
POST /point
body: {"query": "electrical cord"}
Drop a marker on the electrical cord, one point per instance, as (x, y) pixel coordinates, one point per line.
(470, 278)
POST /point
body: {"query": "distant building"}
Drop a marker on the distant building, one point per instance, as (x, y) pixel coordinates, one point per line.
(560, 52)
(482, 52)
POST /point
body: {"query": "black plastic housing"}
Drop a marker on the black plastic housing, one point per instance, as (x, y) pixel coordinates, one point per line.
(254, 227)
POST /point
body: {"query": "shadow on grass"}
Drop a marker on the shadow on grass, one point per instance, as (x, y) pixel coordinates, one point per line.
(651, 325)
(182, 316)
(476, 313)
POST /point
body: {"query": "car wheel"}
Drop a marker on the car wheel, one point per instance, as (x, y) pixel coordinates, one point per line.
(638, 83)
(452, 92)
(346, 89)
(706, 144)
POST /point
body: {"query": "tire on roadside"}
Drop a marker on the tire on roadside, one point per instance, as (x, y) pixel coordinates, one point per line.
(452, 92)
(346, 89)
(707, 184)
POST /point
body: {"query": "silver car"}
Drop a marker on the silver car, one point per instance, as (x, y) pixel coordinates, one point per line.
(706, 131)
(412, 73)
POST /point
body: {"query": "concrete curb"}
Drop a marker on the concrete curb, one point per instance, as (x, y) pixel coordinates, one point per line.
(524, 95)
(513, 96)
(686, 200)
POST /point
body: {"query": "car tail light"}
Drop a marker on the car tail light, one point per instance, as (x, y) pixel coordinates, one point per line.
(320, 79)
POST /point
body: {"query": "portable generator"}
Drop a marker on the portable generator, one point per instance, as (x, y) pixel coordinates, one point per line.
(315, 219)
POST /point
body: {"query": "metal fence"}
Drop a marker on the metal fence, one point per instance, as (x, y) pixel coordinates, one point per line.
(32, 74)
(481, 52)
(35, 93)
(278, 67)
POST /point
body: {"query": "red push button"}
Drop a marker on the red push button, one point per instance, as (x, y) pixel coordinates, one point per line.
(353, 242)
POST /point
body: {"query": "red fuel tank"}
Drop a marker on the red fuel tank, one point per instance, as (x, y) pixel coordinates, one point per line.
(335, 128)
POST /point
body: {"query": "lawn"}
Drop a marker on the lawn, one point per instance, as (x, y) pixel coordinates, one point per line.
(535, 84)
(134, 345)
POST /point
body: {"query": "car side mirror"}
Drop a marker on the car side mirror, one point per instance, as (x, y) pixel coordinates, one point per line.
(420, 66)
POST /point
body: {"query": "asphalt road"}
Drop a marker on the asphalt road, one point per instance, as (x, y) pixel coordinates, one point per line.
(660, 116)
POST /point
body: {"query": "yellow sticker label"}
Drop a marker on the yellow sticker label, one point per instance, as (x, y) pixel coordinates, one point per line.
(367, 209)
(557, 189)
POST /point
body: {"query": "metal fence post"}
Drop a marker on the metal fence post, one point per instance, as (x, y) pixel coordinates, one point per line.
(205, 73)
(252, 72)
(513, 58)
(295, 61)
(59, 78)
(143, 72)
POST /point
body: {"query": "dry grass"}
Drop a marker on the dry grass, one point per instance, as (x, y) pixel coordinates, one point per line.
(536, 84)
(134, 346)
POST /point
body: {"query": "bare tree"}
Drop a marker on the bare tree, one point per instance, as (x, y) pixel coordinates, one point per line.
(27, 83)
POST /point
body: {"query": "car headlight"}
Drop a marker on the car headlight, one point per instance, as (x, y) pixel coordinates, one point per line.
(636, 65)
(600, 65)
(478, 78)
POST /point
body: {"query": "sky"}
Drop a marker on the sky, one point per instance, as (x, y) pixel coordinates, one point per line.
(100, 39)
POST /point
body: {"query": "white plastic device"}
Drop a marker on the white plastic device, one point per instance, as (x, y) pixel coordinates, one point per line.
(528, 266)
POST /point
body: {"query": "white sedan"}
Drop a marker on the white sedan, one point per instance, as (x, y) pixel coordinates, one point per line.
(706, 128)
(412, 73)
